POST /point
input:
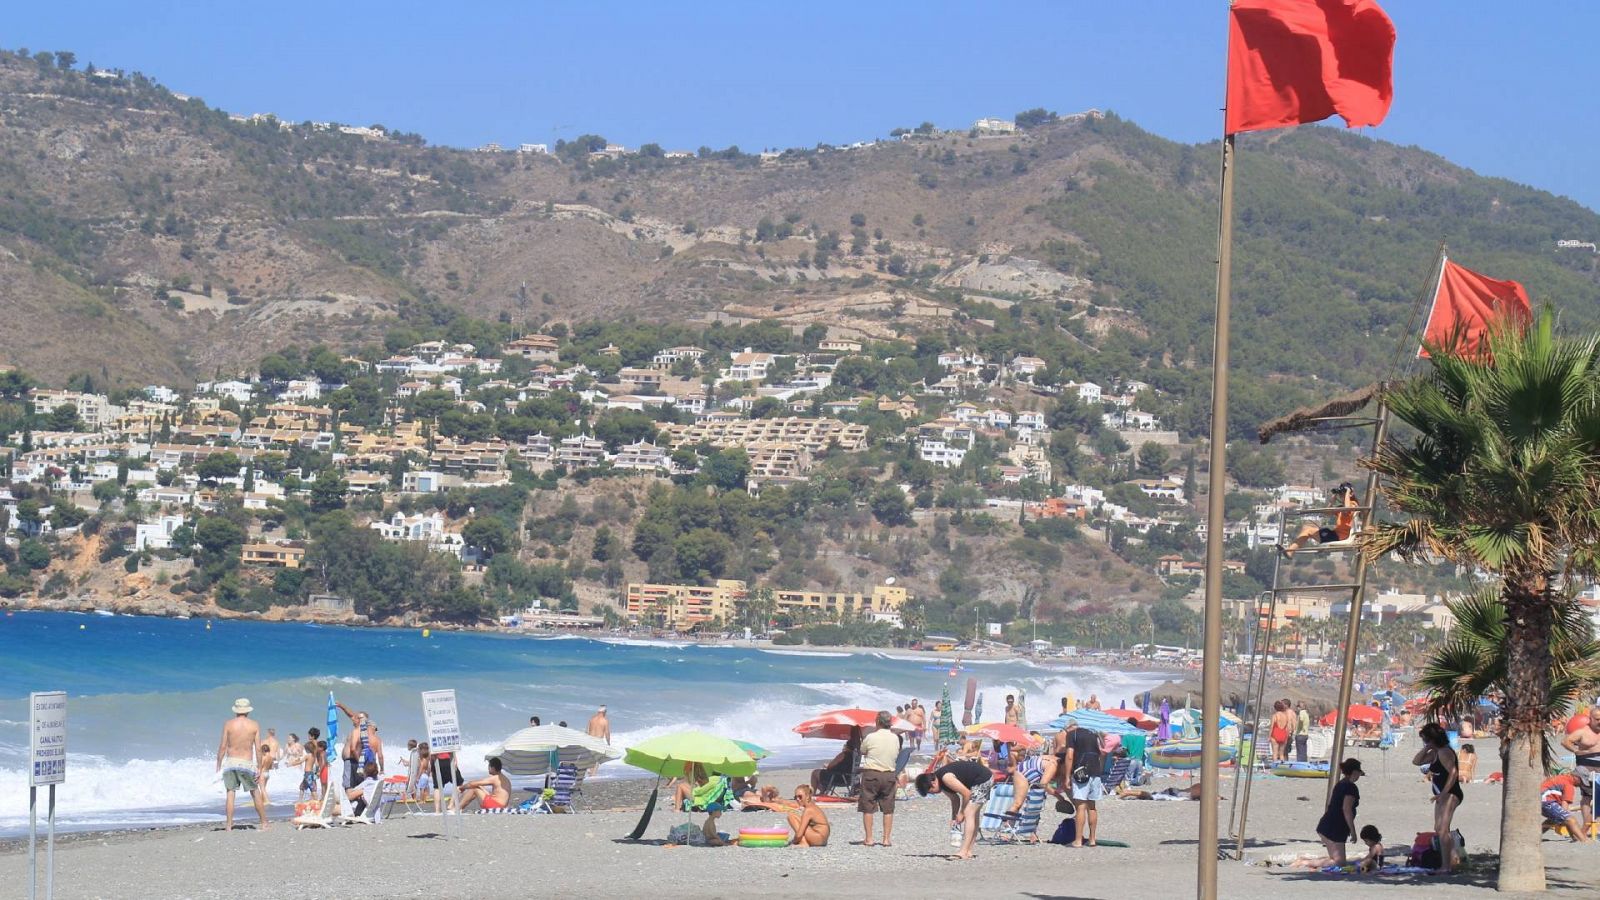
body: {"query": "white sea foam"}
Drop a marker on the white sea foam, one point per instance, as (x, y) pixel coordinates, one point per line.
(804, 653)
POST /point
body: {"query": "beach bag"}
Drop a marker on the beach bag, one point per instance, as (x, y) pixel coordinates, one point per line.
(686, 835)
(1066, 832)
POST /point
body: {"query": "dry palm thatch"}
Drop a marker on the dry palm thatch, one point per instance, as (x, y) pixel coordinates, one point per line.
(1308, 416)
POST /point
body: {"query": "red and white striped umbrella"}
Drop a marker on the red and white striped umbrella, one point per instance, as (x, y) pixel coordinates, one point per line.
(838, 725)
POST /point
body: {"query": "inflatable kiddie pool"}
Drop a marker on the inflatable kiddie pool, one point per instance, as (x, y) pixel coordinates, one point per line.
(763, 837)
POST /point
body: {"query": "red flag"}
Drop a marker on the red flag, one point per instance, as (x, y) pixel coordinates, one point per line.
(1467, 304)
(1296, 61)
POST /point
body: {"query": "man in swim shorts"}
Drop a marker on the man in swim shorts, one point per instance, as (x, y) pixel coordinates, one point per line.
(1583, 741)
(237, 761)
(492, 793)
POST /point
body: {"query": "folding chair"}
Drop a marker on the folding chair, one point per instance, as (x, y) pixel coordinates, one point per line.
(566, 788)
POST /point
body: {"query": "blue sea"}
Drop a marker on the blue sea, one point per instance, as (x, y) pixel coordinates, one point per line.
(148, 697)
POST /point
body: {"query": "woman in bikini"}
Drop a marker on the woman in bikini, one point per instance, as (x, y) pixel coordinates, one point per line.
(809, 823)
(1445, 773)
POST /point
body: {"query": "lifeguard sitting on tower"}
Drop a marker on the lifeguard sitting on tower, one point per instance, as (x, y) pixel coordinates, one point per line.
(1343, 522)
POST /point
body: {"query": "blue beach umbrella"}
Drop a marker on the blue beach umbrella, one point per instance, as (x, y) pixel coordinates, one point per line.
(333, 719)
(1094, 720)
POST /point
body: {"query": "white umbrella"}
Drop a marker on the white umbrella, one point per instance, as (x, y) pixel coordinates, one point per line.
(538, 751)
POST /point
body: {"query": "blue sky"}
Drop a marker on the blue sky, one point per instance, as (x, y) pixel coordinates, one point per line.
(1507, 89)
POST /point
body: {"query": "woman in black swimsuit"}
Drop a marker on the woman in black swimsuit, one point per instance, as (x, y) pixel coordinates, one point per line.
(1445, 773)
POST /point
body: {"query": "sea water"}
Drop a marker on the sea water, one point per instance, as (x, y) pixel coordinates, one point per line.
(148, 697)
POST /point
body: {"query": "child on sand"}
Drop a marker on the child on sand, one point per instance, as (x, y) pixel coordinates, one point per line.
(1373, 861)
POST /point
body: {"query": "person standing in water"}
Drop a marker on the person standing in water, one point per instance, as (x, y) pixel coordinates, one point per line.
(237, 761)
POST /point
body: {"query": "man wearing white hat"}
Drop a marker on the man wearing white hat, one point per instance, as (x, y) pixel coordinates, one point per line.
(236, 759)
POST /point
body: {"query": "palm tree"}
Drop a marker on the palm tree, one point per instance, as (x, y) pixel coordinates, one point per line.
(1501, 472)
(1472, 662)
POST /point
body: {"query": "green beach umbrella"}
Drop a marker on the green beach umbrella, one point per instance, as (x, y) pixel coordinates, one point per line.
(667, 754)
(947, 722)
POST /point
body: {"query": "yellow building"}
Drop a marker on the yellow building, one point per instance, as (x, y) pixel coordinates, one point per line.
(285, 556)
(684, 606)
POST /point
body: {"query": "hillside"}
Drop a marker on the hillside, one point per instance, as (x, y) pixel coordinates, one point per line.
(145, 237)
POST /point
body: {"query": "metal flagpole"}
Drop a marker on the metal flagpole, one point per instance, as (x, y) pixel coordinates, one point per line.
(1216, 487)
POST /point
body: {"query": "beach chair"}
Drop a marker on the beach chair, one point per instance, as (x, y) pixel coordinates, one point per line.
(1026, 828)
(566, 786)
(321, 817)
(991, 819)
(373, 814)
(900, 763)
(1113, 777)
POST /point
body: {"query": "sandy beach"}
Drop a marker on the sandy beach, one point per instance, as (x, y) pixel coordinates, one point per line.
(518, 856)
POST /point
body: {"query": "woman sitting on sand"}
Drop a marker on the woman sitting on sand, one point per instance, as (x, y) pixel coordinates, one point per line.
(808, 823)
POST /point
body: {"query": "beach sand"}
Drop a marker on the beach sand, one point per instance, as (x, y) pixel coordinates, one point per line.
(520, 856)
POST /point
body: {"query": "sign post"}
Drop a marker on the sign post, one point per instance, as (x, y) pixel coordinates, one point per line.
(444, 735)
(47, 765)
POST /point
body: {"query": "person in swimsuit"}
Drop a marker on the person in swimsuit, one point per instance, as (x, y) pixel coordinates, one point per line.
(236, 760)
(361, 747)
(310, 765)
(1030, 772)
(1343, 523)
(1282, 731)
(265, 762)
(808, 823)
(1583, 742)
(492, 792)
(1444, 771)
(294, 752)
(967, 783)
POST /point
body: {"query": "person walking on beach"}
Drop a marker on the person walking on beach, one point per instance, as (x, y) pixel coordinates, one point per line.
(1011, 710)
(879, 751)
(599, 727)
(967, 783)
(918, 721)
(236, 760)
(1302, 731)
(272, 742)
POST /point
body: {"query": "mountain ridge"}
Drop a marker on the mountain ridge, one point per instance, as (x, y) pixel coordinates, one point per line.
(147, 237)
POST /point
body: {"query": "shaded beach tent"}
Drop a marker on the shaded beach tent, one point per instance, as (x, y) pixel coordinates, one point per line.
(1094, 720)
(947, 720)
(838, 724)
(539, 751)
(671, 754)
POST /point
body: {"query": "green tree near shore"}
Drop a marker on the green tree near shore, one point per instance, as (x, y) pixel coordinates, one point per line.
(1500, 470)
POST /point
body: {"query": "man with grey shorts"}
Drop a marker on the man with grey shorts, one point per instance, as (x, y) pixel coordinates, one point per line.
(1081, 762)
